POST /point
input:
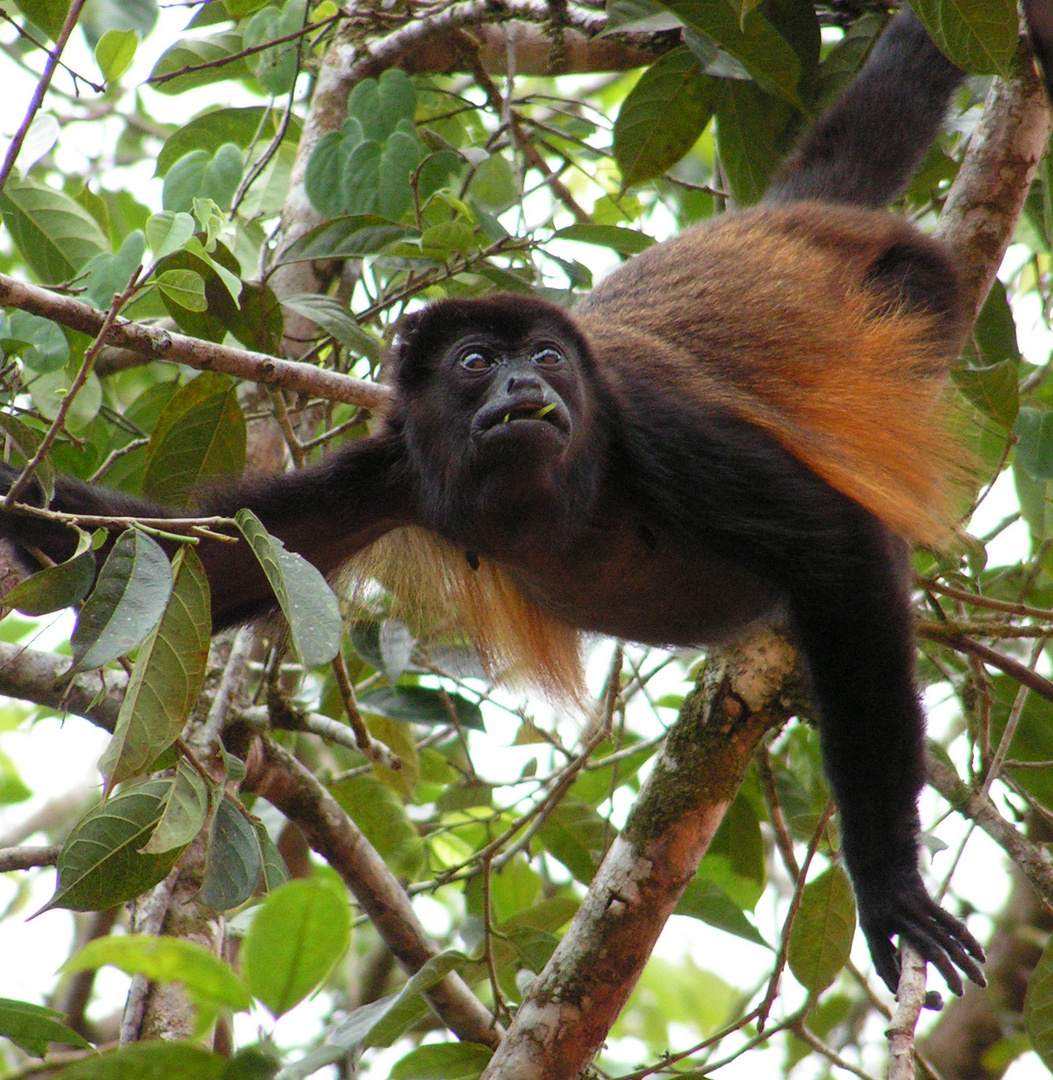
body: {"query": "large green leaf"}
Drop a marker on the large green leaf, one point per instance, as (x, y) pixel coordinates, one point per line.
(167, 677)
(234, 859)
(663, 116)
(755, 43)
(149, 1061)
(101, 863)
(32, 1027)
(1038, 1006)
(297, 937)
(209, 57)
(307, 602)
(126, 603)
(207, 979)
(980, 36)
(821, 938)
(54, 233)
(199, 435)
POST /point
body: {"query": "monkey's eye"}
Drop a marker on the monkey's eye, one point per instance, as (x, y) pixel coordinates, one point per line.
(547, 358)
(475, 361)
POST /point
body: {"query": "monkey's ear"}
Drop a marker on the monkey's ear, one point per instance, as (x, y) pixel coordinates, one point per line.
(401, 344)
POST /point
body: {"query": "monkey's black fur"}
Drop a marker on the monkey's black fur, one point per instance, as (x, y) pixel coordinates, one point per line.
(670, 464)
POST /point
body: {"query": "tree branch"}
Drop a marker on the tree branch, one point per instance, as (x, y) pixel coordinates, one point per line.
(285, 782)
(202, 355)
(571, 1005)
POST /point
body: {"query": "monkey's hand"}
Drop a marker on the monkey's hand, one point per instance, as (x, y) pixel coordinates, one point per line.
(903, 906)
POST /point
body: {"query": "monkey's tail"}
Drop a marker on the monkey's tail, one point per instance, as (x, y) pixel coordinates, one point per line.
(866, 147)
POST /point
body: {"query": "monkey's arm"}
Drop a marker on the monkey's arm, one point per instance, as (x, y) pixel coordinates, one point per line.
(717, 482)
(326, 513)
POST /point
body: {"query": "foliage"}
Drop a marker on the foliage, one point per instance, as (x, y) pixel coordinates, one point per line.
(188, 170)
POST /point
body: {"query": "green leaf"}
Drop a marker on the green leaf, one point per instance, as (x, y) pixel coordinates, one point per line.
(167, 232)
(443, 1061)
(54, 233)
(185, 811)
(49, 15)
(207, 979)
(381, 1022)
(149, 1061)
(210, 130)
(749, 126)
(663, 116)
(40, 342)
(352, 236)
(204, 175)
(275, 872)
(234, 860)
(707, 901)
(1038, 1006)
(307, 602)
(382, 817)
(994, 390)
(126, 603)
(27, 442)
(297, 937)
(56, 587)
(335, 319)
(215, 51)
(115, 52)
(167, 677)
(199, 435)
(757, 44)
(380, 105)
(275, 68)
(821, 937)
(576, 835)
(980, 36)
(1034, 450)
(101, 863)
(421, 705)
(185, 288)
(32, 1027)
(51, 389)
(107, 276)
(622, 241)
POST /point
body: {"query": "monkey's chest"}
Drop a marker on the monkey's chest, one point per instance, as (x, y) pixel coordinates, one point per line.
(630, 583)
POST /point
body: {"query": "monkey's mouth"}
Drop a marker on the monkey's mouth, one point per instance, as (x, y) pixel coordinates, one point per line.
(521, 417)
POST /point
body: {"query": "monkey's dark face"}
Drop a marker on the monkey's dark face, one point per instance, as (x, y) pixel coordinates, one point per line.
(497, 410)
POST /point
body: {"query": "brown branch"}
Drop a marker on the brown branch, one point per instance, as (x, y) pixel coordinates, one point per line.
(286, 783)
(25, 858)
(40, 92)
(37, 676)
(910, 999)
(988, 194)
(571, 1005)
(178, 349)
(1028, 856)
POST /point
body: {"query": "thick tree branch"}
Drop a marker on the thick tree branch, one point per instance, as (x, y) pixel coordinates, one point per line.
(193, 352)
(286, 783)
(571, 1005)
(988, 194)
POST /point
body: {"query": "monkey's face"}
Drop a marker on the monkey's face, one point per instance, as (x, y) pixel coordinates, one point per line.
(497, 410)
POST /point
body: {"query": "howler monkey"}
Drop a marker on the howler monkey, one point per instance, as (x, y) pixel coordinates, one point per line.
(738, 424)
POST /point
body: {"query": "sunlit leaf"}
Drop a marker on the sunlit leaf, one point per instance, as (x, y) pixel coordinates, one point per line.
(207, 979)
(297, 937)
